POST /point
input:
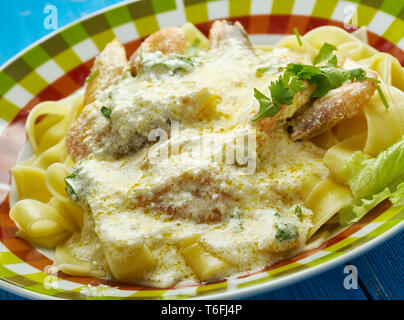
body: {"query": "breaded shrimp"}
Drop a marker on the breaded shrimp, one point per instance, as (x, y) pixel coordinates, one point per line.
(224, 33)
(301, 98)
(224, 30)
(169, 41)
(110, 66)
(338, 104)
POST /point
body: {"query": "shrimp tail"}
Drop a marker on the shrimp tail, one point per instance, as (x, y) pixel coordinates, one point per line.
(222, 31)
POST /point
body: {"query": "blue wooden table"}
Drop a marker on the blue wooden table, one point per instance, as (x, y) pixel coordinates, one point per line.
(380, 271)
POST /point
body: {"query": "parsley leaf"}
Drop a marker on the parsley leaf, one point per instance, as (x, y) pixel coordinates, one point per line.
(282, 92)
(285, 232)
(284, 89)
(302, 71)
(324, 53)
(93, 75)
(260, 71)
(298, 211)
(327, 77)
(106, 112)
(185, 59)
(267, 107)
(356, 74)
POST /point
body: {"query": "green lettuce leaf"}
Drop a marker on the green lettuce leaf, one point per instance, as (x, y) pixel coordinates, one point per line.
(359, 208)
(397, 197)
(367, 177)
(373, 180)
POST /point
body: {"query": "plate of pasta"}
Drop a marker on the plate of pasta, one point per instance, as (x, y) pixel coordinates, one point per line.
(190, 150)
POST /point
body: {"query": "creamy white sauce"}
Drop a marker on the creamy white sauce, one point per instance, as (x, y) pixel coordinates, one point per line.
(135, 201)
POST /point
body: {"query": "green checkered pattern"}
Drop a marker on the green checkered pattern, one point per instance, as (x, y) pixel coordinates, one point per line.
(35, 69)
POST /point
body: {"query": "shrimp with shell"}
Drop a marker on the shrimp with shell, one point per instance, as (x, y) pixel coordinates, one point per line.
(337, 105)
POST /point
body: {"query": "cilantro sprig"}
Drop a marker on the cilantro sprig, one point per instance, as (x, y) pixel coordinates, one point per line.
(282, 92)
(325, 78)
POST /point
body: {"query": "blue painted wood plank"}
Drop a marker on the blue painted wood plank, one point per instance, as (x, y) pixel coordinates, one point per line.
(381, 271)
(326, 286)
(4, 295)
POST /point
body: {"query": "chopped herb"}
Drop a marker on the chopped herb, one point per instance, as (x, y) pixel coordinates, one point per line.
(185, 59)
(282, 92)
(276, 214)
(110, 95)
(383, 97)
(299, 41)
(285, 232)
(93, 75)
(298, 211)
(260, 71)
(69, 189)
(193, 48)
(125, 74)
(160, 65)
(325, 53)
(106, 112)
(179, 69)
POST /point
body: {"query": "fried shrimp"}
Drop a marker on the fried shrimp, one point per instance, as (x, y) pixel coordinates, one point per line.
(337, 105)
(169, 41)
(223, 31)
(107, 70)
